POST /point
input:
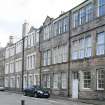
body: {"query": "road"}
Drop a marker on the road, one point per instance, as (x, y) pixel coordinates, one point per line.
(7, 98)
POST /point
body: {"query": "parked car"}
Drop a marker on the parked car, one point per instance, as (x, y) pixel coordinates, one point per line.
(36, 91)
(2, 88)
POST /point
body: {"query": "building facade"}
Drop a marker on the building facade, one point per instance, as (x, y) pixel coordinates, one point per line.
(87, 50)
(73, 52)
(54, 48)
(65, 54)
(2, 63)
(17, 77)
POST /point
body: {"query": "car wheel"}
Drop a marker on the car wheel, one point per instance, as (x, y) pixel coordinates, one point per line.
(35, 95)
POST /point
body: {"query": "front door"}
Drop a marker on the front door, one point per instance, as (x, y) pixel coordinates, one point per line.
(75, 85)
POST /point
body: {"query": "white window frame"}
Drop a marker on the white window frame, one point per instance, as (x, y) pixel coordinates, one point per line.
(19, 47)
(55, 81)
(18, 64)
(6, 68)
(12, 82)
(30, 80)
(89, 12)
(25, 81)
(64, 80)
(65, 24)
(46, 57)
(31, 61)
(99, 78)
(100, 44)
(18, 81)
(6, 81)
(82, 16)
(46, 33)
(100, 6)
(88, 46)
(48, 81)
(75, 19)
(75, 50)
(81, 48)
(60, 27)
(12, 67)
(55, 28)
(12, 50)
(7, 52)
(86, 79)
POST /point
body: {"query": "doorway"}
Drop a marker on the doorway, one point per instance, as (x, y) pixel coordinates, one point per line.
(75, 85)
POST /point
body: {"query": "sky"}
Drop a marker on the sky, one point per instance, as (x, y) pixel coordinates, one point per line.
(13, 13)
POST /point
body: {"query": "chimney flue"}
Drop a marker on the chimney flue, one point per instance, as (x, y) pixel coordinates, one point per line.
(11, 39)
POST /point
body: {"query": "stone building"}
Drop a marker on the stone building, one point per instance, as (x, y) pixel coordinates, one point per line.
(31, 57)
(17, 77)
(65, 54)
(54, 49)
(2, 63)
(87, 67)
(73, 48)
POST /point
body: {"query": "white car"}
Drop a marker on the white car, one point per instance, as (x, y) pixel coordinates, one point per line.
(2, 88)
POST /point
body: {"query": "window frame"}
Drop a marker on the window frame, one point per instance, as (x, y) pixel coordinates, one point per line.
(100, 79)
(101, 6)
(86, 80)
(98, 45)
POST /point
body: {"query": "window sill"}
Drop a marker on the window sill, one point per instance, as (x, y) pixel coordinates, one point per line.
(56, 89)
(100, 89)
(80, 59)
(63, 88)
(86, 89)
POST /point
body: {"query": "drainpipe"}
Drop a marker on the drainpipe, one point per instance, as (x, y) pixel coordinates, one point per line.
(40, 59)
(69, 54)
(22, 62)
(4, 68)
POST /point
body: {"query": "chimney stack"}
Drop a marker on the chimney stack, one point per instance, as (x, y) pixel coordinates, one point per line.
(11, 39)
(25, 29)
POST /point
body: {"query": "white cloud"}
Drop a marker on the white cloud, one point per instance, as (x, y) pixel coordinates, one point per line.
(14, 12)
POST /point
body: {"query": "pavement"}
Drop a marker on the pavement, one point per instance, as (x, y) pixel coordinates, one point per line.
(10, 98)
(68, 99)
(94, 102)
